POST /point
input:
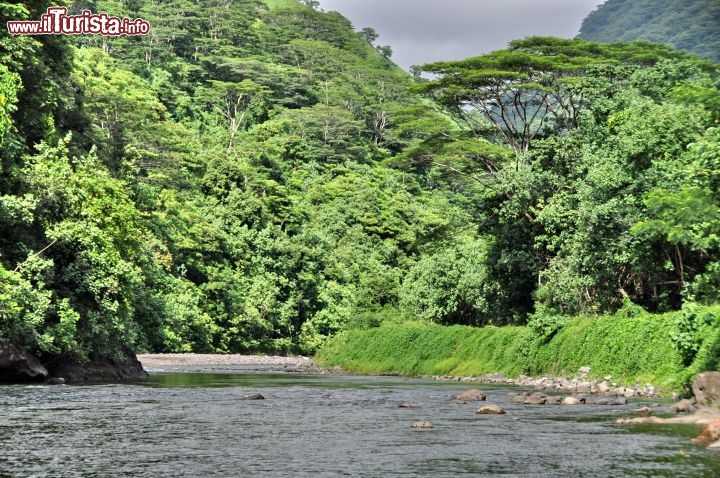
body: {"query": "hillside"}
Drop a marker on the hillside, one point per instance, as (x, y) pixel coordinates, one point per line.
(256, 177)
(217, 185)
(688, 25)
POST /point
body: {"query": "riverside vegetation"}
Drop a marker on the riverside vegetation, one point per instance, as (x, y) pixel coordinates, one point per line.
(639, 349)
(260, 177)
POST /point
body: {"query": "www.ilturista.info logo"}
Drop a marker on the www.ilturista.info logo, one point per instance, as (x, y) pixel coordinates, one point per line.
(57, 22)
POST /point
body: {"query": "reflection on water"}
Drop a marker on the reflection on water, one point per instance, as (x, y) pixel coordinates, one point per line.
(197, 424)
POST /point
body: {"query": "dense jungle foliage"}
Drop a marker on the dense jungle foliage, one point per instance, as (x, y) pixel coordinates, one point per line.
(688, 25)
(257, 176)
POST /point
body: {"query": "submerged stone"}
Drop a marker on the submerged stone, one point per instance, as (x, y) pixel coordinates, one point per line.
(255, 396)
(421, 424)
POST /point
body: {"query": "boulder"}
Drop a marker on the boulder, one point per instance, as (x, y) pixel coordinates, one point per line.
(421, 424)
(571, 401)
(706, 388)
(97, 369)
(472, 395)
(710, 435)
(603, 387)
(490, 409)
(408, 405)
(19, 365)
(644, 411)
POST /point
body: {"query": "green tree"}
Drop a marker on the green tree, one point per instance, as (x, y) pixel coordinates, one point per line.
(369, 34)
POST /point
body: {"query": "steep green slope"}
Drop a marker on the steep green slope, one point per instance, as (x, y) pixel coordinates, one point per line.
(632, 348)
(688, 25)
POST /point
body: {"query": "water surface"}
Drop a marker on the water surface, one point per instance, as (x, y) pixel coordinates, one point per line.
(197, 424)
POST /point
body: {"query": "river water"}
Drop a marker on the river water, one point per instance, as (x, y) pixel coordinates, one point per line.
(198, 425)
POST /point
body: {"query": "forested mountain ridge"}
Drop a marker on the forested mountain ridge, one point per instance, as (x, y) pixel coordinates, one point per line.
(687, 25)
(257, 176)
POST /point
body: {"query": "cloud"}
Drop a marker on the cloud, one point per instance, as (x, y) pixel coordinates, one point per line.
(422, 31)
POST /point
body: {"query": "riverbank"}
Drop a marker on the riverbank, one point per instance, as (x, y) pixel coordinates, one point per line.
(579, 385)
(634, 355)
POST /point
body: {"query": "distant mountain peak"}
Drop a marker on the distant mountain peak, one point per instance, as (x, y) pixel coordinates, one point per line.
(692, 26)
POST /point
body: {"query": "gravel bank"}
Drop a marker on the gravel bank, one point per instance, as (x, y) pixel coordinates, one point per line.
(230, 363)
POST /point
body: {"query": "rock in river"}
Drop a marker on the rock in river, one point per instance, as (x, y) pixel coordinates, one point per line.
(254, 396)
(472, 395)
(421, 424)
(536, 399)
(491, 410)
(553, 400)
(518, 397)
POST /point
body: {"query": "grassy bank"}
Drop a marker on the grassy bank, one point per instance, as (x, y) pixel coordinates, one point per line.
(665, 350)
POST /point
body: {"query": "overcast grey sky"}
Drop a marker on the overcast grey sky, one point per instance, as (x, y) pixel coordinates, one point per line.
(422, 31)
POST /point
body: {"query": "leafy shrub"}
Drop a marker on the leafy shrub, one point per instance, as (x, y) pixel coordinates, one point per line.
(448, 287)
(545, 323)
(688, 337)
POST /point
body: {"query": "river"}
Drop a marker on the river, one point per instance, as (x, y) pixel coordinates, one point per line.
(198, 425)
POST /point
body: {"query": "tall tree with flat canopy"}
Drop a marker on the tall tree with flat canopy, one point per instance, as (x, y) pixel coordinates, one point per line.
(530, 87)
